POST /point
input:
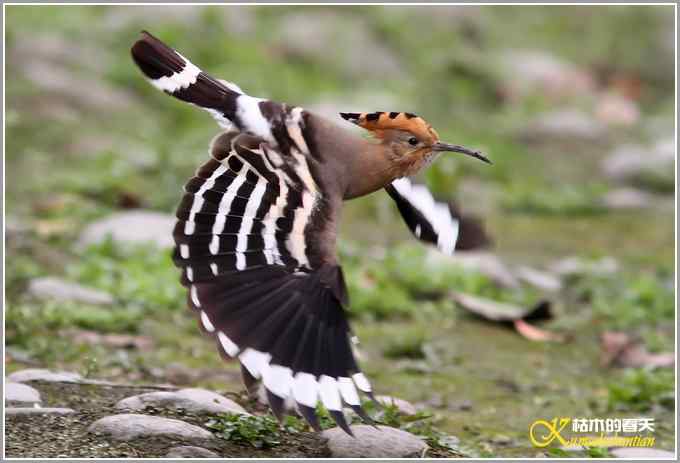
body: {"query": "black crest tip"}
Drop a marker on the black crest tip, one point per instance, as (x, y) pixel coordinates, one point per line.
(351, 117)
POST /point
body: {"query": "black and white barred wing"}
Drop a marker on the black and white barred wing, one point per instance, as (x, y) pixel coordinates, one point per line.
(243, 237)
(435, 222)
(247, 240)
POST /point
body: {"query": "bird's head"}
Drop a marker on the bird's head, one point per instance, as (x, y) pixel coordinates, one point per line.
(409, 139)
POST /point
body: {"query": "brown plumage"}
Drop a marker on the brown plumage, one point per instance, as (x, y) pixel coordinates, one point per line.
(257, 229)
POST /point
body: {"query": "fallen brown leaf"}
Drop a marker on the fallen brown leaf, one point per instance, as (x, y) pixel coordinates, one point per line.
(534, 333)
(620, 349)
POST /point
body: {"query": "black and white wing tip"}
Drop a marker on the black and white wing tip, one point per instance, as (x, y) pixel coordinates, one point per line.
(435, 222)
(242, 243)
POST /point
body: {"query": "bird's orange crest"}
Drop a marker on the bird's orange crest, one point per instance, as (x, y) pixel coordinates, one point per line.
(379, 121)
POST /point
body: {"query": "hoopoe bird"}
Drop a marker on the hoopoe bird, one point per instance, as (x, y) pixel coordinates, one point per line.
(257, 229)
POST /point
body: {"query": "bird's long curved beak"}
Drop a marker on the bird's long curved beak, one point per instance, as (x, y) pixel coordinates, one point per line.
(439, 146)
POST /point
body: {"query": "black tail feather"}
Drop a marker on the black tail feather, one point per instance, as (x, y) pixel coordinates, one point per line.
(339, 418)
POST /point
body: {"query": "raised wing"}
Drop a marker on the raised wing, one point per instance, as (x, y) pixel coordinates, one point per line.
(255, 241)
(244, 236)
(434, 222)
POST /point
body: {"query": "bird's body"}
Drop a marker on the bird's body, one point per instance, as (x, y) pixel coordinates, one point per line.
(257, 229)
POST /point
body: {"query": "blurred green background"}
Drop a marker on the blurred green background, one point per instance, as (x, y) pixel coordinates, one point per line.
(574, 105)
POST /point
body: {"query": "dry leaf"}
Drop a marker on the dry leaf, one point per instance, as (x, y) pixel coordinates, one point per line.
(620, 349)
(534, 333)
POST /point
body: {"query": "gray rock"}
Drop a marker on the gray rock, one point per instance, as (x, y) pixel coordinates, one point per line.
(39, 374)
(616, 110)
(578, 266)
(490, 309)
(566, 124)
(627, 198)
(188, 451)
(38, 411)
(640, 452)
(17, 392)
(131, 227)
(192, 400)
(635, 163)
(311, 34)
(485, 263)
(56, 289)
(371, 442)
(405, 407)
(545, 281)
(125, 427)
(529, 72)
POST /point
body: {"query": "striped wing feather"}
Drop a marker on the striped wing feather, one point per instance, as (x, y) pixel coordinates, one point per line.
(246, 241)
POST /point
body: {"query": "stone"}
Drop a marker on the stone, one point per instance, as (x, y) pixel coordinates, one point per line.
(529, 72)
(640, 164)
(17, 392)
(490, 309)
(486, 263)
(617, 110)
(133, 227)
(125, 427)
(39, 374)
(189, 451)
(640, 452)
(544, 281)
(627, 198)
(56, 289)
(373, 442)
(405, 407)
(38, 411)
(570, 266)
(309, 35)
(192, 400)
(565, 124)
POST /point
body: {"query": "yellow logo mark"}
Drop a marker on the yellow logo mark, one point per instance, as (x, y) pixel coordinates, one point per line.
(553, 427)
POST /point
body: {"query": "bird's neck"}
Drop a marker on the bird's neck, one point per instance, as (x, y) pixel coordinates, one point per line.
(371, 168)
(354, 165)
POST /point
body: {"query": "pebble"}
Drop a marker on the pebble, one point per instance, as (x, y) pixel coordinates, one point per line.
(38, 411)
(570, 266)
(405, 407)
(125, 427)
(568, 124)
(131, 227)
(56, 289)
(627, 198)
(640, 452)
(490, 309)
(310, 34)
(544, 281)
(373, 442)
(189, 451)
(17, 392)
(39, 374)
(192, 400)
(537, 72)
(628, 162)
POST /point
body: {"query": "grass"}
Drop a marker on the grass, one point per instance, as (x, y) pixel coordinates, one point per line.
(639, 390)
(257, 431)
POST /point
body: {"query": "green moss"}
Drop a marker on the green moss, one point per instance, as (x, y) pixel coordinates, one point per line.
(640, 389)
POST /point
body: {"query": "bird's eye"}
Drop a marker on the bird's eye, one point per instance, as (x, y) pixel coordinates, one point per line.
(413, 141)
